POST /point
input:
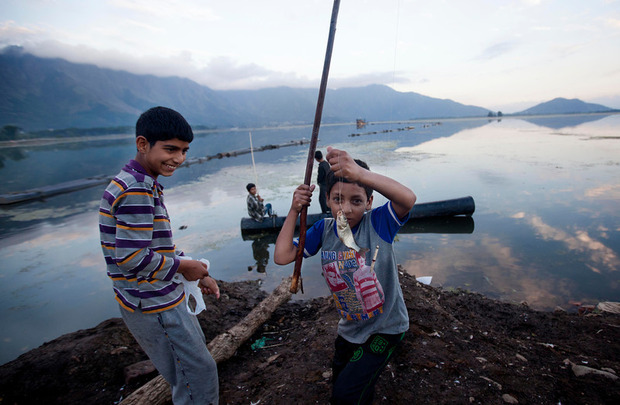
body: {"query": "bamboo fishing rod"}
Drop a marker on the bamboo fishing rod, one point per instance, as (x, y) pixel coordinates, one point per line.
(253, 163)
(295, 282)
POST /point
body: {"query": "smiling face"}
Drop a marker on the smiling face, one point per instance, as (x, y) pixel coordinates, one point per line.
(163, 157)
(351, 199)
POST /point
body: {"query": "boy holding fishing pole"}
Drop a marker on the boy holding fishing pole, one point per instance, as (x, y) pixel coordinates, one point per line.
(359, 267)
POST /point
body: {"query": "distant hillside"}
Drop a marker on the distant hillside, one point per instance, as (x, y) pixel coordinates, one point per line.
(42, 93)
(564, 106)
(39, 93)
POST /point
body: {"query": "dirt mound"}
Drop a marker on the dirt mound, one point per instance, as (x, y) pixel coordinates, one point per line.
(462, 348)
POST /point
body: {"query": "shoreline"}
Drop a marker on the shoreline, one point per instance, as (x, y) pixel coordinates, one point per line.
(52, 141)
(461, 348)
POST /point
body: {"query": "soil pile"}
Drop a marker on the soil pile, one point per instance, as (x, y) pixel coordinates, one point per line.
(462, 348)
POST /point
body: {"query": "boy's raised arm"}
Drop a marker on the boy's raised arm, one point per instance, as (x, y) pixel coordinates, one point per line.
(285, 251)
(343, 165)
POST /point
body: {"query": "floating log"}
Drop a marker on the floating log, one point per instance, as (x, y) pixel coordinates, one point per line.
(222, 347)
(244, 151)
(443, 225)
(444, 208)
(48, 191)
(436, 209)
(40, 193)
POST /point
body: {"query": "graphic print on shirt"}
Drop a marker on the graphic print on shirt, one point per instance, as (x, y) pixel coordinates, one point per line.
(357, 292)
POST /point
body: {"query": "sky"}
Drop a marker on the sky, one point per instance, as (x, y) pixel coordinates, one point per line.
(503, 55)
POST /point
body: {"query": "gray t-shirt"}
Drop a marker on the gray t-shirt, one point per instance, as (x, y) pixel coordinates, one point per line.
(369, 302)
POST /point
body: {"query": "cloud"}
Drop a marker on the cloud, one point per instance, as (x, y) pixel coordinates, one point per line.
(496, 50)
(225, 73)
(218, 73)
(169, 9)
(613, 22)
(365, 79)
(13, 34)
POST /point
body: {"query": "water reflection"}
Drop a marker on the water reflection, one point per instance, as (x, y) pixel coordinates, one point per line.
(260, 250)
(547, 202)
(11, 154)
(600, 258)
(564, 121)
(547, 226)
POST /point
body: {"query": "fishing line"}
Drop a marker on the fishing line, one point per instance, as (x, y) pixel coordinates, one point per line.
(253, 163)
(394, 60)
(391, 124)
(340, 187)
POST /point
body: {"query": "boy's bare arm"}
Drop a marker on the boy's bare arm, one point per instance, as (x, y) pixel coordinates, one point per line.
(193, 270)
(285, 250)
(343, 165)
(209, 286)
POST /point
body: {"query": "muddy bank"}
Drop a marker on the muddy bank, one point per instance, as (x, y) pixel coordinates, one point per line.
(462, 348)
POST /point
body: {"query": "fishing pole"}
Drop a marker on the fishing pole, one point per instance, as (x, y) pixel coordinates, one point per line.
(295, 282)
(253, 164)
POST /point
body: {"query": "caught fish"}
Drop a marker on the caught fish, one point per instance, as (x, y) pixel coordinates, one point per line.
(344, 232)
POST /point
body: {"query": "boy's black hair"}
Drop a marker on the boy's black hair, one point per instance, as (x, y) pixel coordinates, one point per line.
(318, 155)
(162, 124)
(332, 180)
(249, 186)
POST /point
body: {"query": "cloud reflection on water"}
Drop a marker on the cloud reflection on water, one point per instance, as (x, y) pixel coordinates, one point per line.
(489, 267)
(560, 178)
(602, 257)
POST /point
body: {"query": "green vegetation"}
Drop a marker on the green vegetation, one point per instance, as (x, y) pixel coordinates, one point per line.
(9, 132)
(77, 132)
(13, 132)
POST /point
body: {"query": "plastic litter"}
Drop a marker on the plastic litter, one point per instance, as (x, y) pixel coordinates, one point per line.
(260, 343)
(425, 280)
(192, 290)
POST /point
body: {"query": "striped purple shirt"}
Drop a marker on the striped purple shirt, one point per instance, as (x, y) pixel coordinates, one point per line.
(136, 239)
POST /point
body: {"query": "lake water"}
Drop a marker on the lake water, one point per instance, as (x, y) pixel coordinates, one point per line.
(546, 228)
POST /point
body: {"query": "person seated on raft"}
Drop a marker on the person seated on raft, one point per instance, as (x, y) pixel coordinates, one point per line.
(256, 209)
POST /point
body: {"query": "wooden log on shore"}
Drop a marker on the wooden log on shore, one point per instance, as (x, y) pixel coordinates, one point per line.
(222, 347)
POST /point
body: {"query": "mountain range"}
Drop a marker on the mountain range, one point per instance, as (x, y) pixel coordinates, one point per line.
(565, 106)
(43, 93)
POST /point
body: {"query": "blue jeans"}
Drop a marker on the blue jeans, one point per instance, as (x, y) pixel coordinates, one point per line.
(176, 345)
(268, 209)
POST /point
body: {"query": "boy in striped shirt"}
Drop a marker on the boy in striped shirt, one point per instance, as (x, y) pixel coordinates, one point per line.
(141, 259)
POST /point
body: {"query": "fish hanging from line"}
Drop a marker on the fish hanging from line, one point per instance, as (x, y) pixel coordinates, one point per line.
(345, 234)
